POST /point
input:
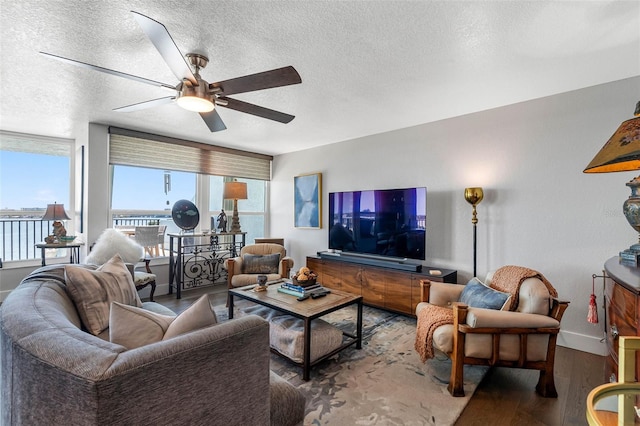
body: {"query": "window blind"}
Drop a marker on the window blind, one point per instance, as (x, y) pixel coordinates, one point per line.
(133, 148)
(33, 144)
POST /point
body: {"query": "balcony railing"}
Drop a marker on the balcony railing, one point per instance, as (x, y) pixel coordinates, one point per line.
(21, 230)
(19, 237)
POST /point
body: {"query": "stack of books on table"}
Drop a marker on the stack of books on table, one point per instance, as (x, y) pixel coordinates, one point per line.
(288, 287)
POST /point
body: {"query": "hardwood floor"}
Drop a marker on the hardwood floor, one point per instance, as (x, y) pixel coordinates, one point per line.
(506, 396)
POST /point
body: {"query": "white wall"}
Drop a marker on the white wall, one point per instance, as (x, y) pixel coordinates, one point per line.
(539, 209)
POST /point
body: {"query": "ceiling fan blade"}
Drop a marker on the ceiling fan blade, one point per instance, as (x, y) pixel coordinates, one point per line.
(161, 39)
(145, 104)
(213, 120)
(263, 80)
(109, 71)
(256, 110)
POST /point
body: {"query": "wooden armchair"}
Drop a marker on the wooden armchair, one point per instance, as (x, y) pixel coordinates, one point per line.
(524, 338)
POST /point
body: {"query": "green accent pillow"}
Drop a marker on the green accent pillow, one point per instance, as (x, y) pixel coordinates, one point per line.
(260, 264)
(476, 294)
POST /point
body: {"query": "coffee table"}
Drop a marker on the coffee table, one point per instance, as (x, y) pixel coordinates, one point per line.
(307, 310)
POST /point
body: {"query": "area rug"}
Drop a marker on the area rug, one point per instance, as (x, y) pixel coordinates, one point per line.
(384, 383)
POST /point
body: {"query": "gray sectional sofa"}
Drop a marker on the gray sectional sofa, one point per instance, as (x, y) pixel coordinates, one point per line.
(54, 373)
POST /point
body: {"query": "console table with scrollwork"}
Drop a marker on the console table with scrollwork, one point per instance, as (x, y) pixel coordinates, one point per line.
(197, 259)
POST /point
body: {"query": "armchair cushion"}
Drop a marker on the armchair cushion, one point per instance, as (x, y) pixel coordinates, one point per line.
(134, 327)
(533, 297)
(92, 291)
(260, 264)
(488, 318)
(478, 295)
(444, 294)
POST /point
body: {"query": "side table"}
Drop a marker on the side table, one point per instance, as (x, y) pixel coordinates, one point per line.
(74, 250)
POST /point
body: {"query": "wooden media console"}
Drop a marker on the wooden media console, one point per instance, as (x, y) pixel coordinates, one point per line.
(382, 287)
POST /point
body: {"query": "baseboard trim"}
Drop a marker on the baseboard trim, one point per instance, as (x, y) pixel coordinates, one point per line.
(582, 342)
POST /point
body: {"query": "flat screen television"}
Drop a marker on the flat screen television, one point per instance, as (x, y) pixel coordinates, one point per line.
(381, 222)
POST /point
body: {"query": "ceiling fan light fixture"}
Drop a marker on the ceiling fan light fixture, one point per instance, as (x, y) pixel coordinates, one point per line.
(196, 104)
(195, 98)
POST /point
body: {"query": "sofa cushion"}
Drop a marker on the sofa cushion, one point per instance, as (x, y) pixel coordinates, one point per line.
(198, 315)
(478, 295)
(260, 264)
(133, 327)
(92, 291)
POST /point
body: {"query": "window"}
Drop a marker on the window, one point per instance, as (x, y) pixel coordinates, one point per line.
(152, 172)
(142, 196)
(251, 212)
(34, 171)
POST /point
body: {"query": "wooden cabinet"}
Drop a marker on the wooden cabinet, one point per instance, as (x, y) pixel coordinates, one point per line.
(385, 288)
(622, 303)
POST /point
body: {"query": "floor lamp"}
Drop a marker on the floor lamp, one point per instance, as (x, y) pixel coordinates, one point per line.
(235, 191)
(473, 197)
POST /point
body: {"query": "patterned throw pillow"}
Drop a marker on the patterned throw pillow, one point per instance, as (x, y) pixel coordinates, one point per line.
(260, 264)
(92, 291)
(133, 327)
(476, 294)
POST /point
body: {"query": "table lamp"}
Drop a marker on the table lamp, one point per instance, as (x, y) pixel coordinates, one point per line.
(622, 153)
(56, 213)
(235, 191)
(473, 197)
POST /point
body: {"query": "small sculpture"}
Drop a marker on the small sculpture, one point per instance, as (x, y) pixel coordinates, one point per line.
(222, 221)
(262, 283)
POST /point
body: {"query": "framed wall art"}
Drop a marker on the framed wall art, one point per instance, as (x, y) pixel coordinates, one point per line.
(307, 201)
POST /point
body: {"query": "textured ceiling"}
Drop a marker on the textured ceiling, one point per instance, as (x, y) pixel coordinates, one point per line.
(367, 66)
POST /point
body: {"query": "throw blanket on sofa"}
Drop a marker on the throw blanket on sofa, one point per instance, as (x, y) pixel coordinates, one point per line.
(509, 279)
(430, 318)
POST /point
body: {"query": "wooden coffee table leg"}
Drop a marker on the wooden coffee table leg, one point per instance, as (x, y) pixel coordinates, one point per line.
(230, 296)
(307, 349)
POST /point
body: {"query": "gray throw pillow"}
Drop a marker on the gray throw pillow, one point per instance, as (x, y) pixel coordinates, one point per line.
(260, 264)
(92, 291)
(476, 294)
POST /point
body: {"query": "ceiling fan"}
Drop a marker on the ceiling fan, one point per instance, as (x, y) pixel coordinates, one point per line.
(193, 92)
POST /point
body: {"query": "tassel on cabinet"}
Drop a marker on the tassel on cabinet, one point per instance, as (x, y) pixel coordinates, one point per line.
(592, 316)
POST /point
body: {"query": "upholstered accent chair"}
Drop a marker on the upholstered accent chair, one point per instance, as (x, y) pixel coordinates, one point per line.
(258, 259)
(523, 337)
(144, 278)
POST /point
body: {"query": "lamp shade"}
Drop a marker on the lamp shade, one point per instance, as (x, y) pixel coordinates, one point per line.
(55, 212)
(473, 195)
(622, 151)
(235, 190)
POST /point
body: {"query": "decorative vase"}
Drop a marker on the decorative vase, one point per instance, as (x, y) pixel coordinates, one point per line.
(631, 209)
